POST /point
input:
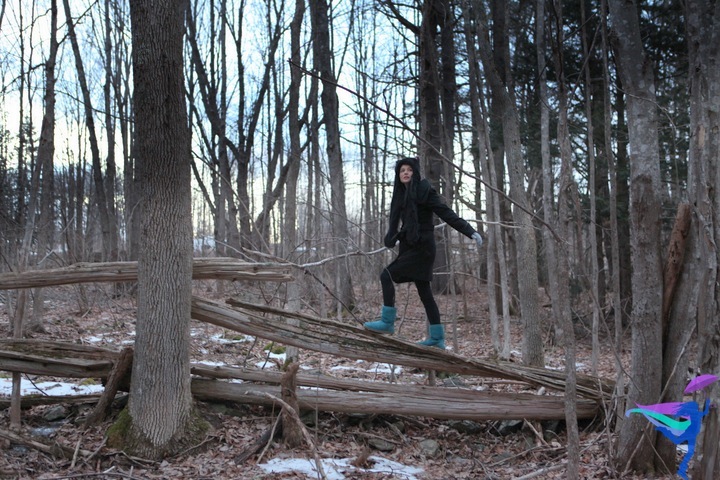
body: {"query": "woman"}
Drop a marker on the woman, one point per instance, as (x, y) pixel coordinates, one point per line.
(413, 202)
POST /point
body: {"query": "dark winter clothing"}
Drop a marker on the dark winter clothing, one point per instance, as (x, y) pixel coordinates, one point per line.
(415, 206)
(411, 223)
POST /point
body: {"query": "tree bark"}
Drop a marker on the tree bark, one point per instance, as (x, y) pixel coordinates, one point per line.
(291, 431)
(107, 224)
(322, 56)
(636, 72)
(532, 349)
(161, 407)
(703, 30)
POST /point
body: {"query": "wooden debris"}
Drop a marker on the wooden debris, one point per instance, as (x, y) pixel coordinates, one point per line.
(291, 429)
(432, 402)
(216, 268)
(120, 369)
(56, 449)
(350, 341)
(345, 395)
(58, 359)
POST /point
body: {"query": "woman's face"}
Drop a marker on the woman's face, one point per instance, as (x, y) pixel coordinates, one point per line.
(405, 174)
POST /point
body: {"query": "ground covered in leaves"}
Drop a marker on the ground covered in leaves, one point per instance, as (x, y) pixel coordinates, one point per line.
(361, 446)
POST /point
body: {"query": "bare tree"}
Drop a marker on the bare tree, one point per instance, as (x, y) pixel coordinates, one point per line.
(322, 58)
(566, 188)
(701, 290)
(45, 154)
(595, 278)
(636, 444)
(526, 243)
(104, 202)
(497, 286)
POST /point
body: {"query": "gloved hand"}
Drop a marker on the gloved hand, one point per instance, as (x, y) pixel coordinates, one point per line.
(478, 239)
(390, 240)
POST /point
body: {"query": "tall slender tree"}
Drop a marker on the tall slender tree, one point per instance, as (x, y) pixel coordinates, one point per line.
(636, 444)
(526, 242)
(703, 30)
(45, 154)
(323, 61)
(103, 201)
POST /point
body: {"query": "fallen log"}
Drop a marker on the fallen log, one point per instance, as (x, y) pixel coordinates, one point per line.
(216, 268)
(35, 400)
(339, 395)
(56, 359)
(84, 361)
(376, 398)
(441, 403)
(350, 341)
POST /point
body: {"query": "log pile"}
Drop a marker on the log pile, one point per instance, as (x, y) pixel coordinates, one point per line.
(316, 392)
(350, 341)
(307, 332)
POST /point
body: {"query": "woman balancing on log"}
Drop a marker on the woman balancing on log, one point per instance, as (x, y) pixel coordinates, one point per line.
(413, 203)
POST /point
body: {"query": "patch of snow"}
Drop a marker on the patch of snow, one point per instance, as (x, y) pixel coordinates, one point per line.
(384, 368)
(336, 469)
(219, 338)
(212, 364)
(343, 367)
(314, 389)
(51, 388)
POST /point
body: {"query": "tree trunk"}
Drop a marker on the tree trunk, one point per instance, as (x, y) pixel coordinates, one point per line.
(636, 71)
(703, 30)
(322, 56)
(290, 240)
(107, 224)
(566, 187)
(592, 230)
(45, 153)
(532, 349)
(483, 163)
(160, 407)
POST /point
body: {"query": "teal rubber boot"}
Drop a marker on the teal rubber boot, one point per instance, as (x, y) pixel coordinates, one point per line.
(386, 322)
(436, 337)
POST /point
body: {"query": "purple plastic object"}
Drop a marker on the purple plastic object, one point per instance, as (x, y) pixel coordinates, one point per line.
(669, 408)
(700, 381)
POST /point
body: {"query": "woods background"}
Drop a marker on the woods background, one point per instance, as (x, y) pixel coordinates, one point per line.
(572, 133)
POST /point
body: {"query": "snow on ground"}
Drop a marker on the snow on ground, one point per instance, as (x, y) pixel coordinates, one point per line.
(48, 388)
(336, 469)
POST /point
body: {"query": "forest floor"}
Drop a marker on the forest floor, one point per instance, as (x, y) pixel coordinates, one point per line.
(398, 447)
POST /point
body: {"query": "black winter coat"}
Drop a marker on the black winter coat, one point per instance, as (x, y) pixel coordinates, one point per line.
(415, 261)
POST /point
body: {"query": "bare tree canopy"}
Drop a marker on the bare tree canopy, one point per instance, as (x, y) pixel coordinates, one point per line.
(164, 139)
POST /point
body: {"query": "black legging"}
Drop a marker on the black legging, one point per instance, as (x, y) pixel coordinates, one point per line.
(424, 291)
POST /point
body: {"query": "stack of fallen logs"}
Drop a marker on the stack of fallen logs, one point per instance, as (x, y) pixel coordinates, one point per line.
(315, 392)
